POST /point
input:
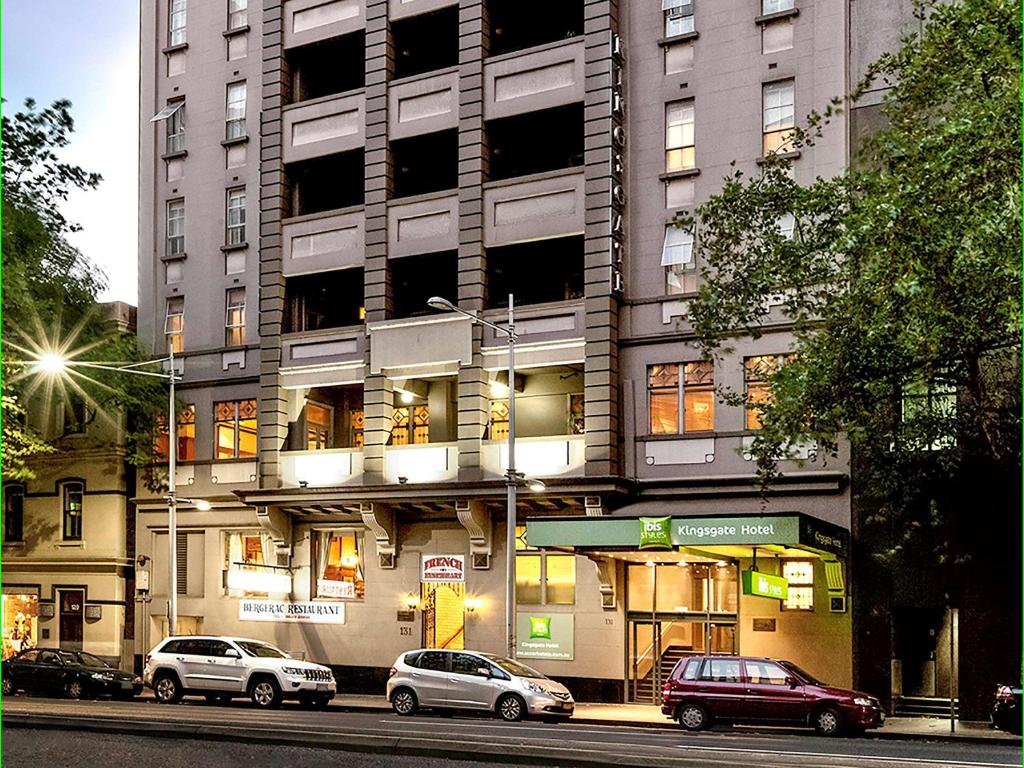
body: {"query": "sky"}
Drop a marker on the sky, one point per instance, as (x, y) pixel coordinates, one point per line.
(86, 51)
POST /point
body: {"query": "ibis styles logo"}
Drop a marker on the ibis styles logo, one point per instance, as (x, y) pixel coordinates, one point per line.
(655, 533)
(540, 627)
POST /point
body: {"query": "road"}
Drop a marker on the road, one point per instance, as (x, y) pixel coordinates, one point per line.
(383, 736)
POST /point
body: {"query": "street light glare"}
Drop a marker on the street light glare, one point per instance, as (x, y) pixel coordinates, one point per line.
(51, 362)
(437, 302)
(203, 505)
(536, 485)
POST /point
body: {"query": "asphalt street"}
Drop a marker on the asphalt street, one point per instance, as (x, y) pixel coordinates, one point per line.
(469, 738)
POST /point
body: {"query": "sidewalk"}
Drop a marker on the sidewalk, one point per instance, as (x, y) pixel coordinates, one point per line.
(644, 715)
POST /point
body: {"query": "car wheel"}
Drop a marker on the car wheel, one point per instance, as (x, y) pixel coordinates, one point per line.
(404, 702)
(7, 688)
(73, 689)
(693, 717)
(827, 721)
(166, 689)
(265, 693)
(511, 708)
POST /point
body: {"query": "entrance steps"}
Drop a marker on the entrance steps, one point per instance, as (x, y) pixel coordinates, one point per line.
(924, 706)
(645, 685)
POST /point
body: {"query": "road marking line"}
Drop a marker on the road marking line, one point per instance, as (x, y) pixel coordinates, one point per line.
(891, 758)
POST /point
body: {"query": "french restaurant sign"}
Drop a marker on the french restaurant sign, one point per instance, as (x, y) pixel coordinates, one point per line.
(443, 569)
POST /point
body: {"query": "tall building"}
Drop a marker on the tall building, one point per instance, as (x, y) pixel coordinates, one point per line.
(314, 171)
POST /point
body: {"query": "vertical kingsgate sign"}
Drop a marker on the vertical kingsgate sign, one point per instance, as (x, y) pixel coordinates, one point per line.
(617, 170)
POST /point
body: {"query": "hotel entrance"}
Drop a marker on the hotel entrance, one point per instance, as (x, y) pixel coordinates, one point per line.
(444, 615)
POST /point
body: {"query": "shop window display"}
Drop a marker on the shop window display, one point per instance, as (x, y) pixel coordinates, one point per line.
(339, 565)
(20, 622)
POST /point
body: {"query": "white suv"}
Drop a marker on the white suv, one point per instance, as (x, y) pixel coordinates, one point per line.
(223, 668)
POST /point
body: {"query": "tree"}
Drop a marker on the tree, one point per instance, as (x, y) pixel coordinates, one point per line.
(49, 299)
(902, 283)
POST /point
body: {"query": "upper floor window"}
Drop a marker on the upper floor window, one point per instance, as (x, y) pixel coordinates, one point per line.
(186, 446)
(543, 578)
(927, 413)
(72, 493)
(411, 425)
(776, 6)
(235, 114)
(756, 374)
(76, 415)
(681, 389)
(234, 429)
(175, 227)
(778, 116)
(319, 426)
(238, 15)
(235, 218)
(176, 22)
(174, 115)
(14, 512)
(174, 324)
(234, 321)
(677, 259)
(678, 17)
(680, 153)
(800, 575)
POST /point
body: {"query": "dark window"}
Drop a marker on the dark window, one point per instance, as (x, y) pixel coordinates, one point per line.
(426, 42)
(428, 163)
(172, 646)
(327, 183)
(328, 67)
(414, 279)
(434, 660)
(518, 24)
(14, 512)
(72, 495)
(324, 300)
(467, 664)
(516, 268)
(49, 658)
(412, 659)
(217, 648)
(692, 669)
(77, 415)
(29, 657)
(548, 140)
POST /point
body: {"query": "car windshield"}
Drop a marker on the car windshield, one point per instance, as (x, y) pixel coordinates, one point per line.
(512, 667)
(261, 650)
(805, 676)
(84, 659)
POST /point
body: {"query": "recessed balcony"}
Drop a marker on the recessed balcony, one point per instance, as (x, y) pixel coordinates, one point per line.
(428, 463)
(322, 127)
(310, 21)
(321, 468)
(535, 79)
(558, 456)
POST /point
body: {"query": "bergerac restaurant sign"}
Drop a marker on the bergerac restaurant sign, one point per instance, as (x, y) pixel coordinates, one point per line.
(277, 610)
(443, 569)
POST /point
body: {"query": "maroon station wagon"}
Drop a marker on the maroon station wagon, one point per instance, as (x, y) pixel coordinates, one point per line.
(736, 689)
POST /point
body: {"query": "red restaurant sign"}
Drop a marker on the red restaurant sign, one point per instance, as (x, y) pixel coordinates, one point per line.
(443, 568)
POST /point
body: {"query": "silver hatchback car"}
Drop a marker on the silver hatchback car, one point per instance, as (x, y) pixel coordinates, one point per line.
(470, 680)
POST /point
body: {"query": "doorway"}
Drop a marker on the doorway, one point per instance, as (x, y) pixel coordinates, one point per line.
(72, 609)
(444, 616)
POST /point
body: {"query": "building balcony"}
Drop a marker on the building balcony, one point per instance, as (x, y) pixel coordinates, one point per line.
(323, 349)
(399, 9)
(325, 126)
(428, 463)
(416, 346)
(322, 241)
(556, 456)
(547, 76)
(309, 21)
(423, 104)
(542, 205)
(425, 224)
(329, 467)
(549, 334)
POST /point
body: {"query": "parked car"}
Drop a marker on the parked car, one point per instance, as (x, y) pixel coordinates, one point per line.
(223, 668)
(469, 680)
(75, 674)
(734, 689)
(1006, 714)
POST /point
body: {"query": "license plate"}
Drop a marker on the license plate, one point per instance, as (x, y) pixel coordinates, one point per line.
(126, 686)
(323, 687)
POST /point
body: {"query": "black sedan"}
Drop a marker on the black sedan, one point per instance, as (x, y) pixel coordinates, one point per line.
(74, 674)
(1006, 714)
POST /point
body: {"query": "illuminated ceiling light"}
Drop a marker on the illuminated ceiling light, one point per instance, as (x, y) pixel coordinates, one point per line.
(498, 390)
(408, 397)
(722, 564)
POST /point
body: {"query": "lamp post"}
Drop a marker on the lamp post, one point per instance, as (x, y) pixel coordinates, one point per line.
(511, 476)
(53, 363)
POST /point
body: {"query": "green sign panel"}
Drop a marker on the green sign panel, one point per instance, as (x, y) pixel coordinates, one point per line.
(544, 635)
(764, 585)
(655, 533)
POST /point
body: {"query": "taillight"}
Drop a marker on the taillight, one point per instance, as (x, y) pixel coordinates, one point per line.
(1004, 693)
(148, 657)
(392, 672)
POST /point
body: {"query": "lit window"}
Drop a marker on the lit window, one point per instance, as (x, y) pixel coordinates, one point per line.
(357, 422)
(175, 227)
(236, 217)
(319, 419)
(678, 17)
(235, 128)
(339, 564)
(779, 116)
(72, 494)
(174, 324)
(410, 426)
(176, 128)
(248, 551)
(237, 14)
(499, 420)
(176, 23)
(14, 512)
(800, 575)
(186, 436)
(692, 393)
(543, 578)
(776, 6)
(757, 371)
(234, 321)
(680, 154)
(234, 429)
(677, 259)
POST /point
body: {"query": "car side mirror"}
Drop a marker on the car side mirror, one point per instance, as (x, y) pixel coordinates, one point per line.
(231, 653)
(483, 671)
(791, 681)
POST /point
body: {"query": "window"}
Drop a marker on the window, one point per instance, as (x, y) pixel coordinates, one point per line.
(721, 671)
(250, 552)
(677, 259)
(680, 153)
(238, 16)
(176, 23)
(800, 575)
(234, 317)
(776, 6)
(319, 423)
(928, 413)
(186, 436)
(234, 429)
(777, 102)
(14, 512)
(235, 217)
(691, 669)
(76, 415)
(338, 557)
(436, 661)
(756, 374)
(765, 673)
(687, 388)
(235, 128)
(543, 578)
(467, 664)
(71, 496)
(175, 227)
(411, 425)
(678, 17)
(176, 129)
(357, 421)
(174, 324)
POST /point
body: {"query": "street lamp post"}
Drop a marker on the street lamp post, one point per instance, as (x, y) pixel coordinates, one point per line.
(511, 475)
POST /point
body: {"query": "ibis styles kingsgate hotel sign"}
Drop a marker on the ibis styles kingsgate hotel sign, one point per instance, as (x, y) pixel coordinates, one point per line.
(667, 532)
